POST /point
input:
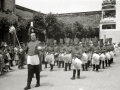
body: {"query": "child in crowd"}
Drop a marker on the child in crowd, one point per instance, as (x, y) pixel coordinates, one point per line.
(16, 58)
(1, 62)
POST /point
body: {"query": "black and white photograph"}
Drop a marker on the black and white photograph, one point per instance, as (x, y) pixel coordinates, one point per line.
(59, 44)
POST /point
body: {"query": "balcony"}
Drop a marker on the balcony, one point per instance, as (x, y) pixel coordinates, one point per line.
(109, 2)
(108, 20)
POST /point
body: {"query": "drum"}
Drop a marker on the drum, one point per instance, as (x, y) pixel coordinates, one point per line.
(102, 57)
(111, 54)
(56, 56)
(95, 59)
(61, 57)
(84, 58)
(50, 58)
(77, 63)
(108, 56)
(67, 58)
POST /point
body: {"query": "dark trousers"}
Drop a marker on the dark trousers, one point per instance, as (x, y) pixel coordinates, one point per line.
(66, 65)
(61, 62)
(11, 61)
(100, 64)
(21, 62)
(31, 70)
(106, 62)
(45, 64)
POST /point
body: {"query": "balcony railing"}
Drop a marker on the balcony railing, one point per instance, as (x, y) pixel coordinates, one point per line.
(112, 2)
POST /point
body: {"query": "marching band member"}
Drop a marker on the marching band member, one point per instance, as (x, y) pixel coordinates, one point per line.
(89, 53)
(32, 61)
(95, 57)
(45, 53)
(41, 49)
(107, 51)
(111, 47)
(76, 61)
(102, 51)
(84, 56)
(61, 54)
(56, 51)
(50, 55)
(68, 55)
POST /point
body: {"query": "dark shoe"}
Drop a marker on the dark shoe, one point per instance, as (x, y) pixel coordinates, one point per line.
(27, 87)
(10, 69)
(65, 70)
(22, 68)
(37, 85)
(72, 78)
(78, 77)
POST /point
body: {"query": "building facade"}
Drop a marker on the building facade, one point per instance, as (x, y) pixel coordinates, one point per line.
(7, 14)
(110, 20)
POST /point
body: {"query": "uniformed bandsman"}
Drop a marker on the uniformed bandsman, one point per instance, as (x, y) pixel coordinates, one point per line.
(102, 55)
(89, 52)
(45, 52)
(76, 61)
(68, 55)
(95, 56)
(84, 56)
(111, 49)
(61, 54)
(107, 54)
(56, 51)
(50, 55)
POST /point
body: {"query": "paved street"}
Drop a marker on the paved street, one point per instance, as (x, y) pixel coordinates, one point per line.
(105, 79)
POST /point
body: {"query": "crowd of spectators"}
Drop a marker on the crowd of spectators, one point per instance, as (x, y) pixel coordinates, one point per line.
(11, 56)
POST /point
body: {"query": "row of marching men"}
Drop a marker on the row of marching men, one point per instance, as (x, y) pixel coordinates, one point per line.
(95, 53)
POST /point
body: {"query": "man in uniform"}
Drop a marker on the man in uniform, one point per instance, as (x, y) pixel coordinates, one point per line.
(33, 61)
(102, 56)
(68, 55)
(107, 50)
(61, 54)
(76, 61)
(56, 51)
(84, 56)
(111, 49)
(96, 51)
(45, 52)
(89, 52)
(50, 54)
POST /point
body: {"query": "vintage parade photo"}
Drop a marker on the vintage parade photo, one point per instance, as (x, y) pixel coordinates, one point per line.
(59, 44)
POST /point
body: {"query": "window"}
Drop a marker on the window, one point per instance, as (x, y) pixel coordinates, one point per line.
(109, 26)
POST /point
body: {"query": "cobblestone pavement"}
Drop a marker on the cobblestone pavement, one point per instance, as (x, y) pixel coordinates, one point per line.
(105, 79)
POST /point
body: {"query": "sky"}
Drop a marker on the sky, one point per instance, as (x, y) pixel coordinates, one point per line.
(61, 6)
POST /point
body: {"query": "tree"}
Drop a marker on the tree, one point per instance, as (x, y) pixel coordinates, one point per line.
(51, 24)
(91, 33)
(39, 22)
(77, 30)
(4, 26)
